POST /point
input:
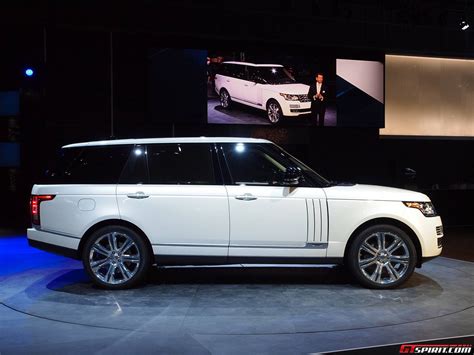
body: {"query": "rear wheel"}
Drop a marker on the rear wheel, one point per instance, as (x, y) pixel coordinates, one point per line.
(116, 257)
(382, 256)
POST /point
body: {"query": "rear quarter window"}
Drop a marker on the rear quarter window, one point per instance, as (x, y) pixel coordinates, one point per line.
(88, 165)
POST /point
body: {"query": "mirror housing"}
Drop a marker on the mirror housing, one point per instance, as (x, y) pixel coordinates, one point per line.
(292, 176)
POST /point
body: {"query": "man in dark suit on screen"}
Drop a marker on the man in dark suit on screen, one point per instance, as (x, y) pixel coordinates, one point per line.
(317, 94)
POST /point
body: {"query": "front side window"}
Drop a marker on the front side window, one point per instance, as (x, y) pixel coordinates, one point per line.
(265, 164)
(253, 164)
(187, 164)
(275, 75)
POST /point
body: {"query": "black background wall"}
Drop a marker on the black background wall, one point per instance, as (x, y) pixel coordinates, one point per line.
(69, 100)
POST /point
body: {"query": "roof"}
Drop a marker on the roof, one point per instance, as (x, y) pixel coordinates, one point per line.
(253, 64)
(168, 140)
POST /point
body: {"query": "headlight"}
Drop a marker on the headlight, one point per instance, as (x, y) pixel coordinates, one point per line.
(290, 97)
(426, 208)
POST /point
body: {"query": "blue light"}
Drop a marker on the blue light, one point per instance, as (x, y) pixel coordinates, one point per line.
(29, 72)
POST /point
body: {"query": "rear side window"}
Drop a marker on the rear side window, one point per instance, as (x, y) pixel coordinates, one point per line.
(223, 69)
(188, 164)
(89, 165)
(136, 168)
(240, 72)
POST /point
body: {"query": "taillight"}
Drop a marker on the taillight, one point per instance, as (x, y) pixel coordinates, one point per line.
(35, 202)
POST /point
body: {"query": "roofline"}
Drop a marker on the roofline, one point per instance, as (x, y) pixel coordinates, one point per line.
(167, 140)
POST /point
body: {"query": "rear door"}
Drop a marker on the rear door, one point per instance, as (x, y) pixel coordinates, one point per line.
(252, 89)
(174, 193)
(237, 81)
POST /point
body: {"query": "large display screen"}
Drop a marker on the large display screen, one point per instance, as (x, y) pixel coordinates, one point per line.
(429, 96)
(265, 88)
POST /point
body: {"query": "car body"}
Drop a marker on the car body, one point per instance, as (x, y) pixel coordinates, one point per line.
(222, 201)
(267, 87)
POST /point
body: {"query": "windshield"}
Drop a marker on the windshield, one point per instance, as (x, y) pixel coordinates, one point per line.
(275, 75)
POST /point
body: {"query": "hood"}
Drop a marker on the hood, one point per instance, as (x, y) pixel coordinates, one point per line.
(373, 192)
(294, 89)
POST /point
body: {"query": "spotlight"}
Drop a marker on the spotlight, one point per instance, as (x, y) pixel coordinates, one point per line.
(29, 72)
(239, 147)
(464, 25)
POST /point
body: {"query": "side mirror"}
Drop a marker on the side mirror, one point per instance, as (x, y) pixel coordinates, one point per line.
(292, 176)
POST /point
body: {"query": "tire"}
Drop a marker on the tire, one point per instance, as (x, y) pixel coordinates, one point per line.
(116, 265)
(225, 100)
(382, 257)
(274, 112)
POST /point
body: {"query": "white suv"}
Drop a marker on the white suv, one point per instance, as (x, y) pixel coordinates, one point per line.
(268, 87)
(124, 205)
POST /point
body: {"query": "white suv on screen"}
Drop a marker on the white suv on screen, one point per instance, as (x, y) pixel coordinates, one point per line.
(122, 206)
(267, 87)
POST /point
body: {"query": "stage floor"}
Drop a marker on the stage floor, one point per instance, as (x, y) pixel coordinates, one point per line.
(47, 305)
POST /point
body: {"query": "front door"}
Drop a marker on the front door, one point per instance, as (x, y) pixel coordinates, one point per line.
(266, 217)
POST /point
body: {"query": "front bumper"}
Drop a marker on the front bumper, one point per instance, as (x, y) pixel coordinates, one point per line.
(54, 243)
(430, 232)
(295, 108)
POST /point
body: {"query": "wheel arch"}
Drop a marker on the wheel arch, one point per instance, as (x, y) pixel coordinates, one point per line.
(223, 88)
(270, 99)
(390, 221)
(112, 222)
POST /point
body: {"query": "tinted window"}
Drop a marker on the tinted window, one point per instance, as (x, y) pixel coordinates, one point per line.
(253, 164)
(136, 169)
(265, 164)
(274, 75)
(237, 71)
(223, 69)
(254, 75)
(89, 165)
(189, 163)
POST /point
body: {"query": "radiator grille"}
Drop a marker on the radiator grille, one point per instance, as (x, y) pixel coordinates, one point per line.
(303, 98)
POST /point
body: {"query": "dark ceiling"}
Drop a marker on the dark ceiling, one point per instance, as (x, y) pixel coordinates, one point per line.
(405, 26)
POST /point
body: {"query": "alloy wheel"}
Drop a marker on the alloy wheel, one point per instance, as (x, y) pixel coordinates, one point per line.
(114, 258)
(224, 98)
(273, 112)
(384, 257)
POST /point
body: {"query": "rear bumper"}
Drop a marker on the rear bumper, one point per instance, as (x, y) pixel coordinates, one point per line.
(54, 243)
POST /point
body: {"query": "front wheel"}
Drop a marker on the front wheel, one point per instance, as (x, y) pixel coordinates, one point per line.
(274, 112)
(381, 257)
(116, 257)
(225, 99)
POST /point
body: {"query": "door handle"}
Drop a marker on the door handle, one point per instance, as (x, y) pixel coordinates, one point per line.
(228, 80)
(246, 197)
(138, 195)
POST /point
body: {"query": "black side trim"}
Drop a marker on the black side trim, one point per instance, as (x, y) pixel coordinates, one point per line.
(51, 248)
(222, 260)
(282, 260)
(189, 260)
